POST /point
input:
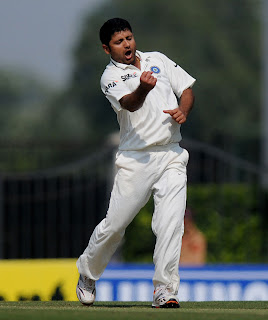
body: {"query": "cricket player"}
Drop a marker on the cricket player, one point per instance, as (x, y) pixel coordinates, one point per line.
(144, 90)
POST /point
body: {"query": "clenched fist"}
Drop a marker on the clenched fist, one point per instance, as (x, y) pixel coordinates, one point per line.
(147, 81)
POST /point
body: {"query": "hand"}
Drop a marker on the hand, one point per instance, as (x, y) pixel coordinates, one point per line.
(134, 101)
(177, 115)
(147, 81)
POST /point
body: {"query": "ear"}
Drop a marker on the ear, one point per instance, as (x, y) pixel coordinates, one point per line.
(106, 49)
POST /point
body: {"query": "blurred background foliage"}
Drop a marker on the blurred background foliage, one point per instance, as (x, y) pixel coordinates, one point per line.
(227, 215)
(218, 42)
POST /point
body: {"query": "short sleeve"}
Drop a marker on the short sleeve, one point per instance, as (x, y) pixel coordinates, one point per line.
(179, 78)
(114, 89)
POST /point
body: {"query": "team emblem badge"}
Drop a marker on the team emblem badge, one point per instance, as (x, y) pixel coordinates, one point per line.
(155, 69)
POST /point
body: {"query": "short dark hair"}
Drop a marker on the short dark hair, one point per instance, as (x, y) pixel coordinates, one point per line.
(110, 27)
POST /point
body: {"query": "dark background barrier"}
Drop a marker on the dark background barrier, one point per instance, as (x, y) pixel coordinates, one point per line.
(52, 213)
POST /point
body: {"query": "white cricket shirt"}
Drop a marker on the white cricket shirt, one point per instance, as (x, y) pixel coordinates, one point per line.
(148, 126)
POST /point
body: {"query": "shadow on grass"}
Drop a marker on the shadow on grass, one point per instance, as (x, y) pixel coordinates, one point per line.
(122, 305)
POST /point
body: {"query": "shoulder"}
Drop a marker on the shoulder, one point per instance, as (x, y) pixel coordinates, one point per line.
(151, 54)
(156, 55)
(110, 68)
(109, 73)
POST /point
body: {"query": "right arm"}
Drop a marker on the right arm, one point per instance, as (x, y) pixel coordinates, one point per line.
(134, 100)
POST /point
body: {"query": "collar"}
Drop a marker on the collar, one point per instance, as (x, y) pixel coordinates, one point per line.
(141, 55)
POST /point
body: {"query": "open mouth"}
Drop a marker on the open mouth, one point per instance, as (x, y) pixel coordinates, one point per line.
(128, 54)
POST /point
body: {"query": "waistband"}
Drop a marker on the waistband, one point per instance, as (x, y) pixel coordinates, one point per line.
(156, 148)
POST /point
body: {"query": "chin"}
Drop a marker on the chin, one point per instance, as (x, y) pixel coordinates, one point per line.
(130, 61)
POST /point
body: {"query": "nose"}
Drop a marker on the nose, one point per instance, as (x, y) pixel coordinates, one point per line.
(126, 44)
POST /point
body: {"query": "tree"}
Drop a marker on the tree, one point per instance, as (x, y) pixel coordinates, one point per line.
(23, 101)
(35, 131)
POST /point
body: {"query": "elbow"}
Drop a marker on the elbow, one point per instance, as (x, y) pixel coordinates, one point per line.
(129, 103)
(132, 109)
(129, 108)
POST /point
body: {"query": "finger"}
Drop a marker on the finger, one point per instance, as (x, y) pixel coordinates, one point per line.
(180, 119)
(149, 80)
(178, 116)
(153, 80)
(171, 112)
(147, 74)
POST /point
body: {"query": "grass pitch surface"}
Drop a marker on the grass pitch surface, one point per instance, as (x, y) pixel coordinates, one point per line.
(133, 311)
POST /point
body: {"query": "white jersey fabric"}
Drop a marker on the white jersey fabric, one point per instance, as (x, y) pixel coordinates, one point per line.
(148, 126)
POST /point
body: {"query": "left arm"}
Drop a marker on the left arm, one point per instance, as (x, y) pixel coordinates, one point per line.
(180, 114)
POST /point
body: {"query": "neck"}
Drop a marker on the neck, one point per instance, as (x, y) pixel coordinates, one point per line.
(137, 62)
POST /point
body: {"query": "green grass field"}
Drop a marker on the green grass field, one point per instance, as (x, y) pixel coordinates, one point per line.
(133, 310)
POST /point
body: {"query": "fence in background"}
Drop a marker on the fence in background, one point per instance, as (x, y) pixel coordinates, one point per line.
(51, 213)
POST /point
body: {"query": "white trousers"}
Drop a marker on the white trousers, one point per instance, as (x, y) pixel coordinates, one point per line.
(159, 170)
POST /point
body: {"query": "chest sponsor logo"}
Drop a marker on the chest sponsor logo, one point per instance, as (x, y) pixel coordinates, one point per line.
(110, 85)
(128, 76)
(155, 69)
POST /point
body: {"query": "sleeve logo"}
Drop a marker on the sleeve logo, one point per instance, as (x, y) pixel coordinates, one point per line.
(110, 85)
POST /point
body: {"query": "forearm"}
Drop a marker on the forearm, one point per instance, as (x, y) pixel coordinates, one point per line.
(180, 114)
(186, 101)
(134, 100)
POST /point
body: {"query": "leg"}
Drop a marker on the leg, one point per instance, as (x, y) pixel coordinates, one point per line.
(168, 222)
(131, 191)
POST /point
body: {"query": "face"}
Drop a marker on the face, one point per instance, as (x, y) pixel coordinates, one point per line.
(122, 47)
